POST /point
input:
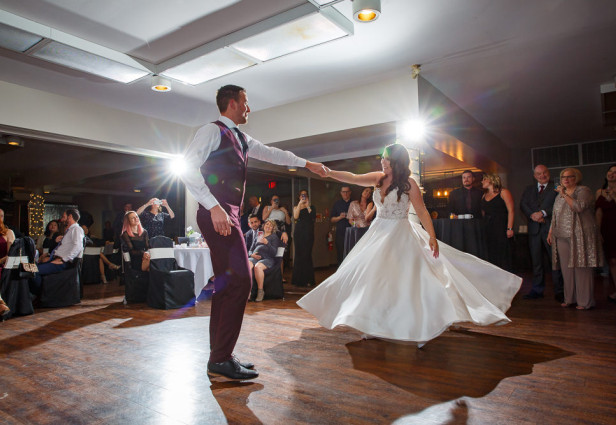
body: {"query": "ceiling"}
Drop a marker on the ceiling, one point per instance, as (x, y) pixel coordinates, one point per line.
(529, 71)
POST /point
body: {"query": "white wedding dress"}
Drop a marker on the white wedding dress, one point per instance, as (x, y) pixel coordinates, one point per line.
(390, 286)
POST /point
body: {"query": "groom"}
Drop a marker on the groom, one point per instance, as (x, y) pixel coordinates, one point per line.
(216, 177)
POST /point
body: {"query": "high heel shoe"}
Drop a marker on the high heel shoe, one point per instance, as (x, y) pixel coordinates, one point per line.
(114, 266)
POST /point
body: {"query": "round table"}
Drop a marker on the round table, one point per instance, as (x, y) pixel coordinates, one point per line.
(467, 235)
(198, 260)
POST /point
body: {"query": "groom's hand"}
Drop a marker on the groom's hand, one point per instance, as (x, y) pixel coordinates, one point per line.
(220, 221)
(317, 168)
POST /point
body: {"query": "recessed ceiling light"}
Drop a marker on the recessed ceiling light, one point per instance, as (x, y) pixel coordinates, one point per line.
(161, 84)
(366, 10)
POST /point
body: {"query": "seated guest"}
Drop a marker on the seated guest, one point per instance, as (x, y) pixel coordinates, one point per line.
(283, 220)
(250, 237)
(153, 219)
(65, 252)
(7, 237)
(264, 255)
(135, 239)
(361, 212)
(52, 231)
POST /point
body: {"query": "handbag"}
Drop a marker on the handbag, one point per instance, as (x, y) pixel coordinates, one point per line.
(27, 270)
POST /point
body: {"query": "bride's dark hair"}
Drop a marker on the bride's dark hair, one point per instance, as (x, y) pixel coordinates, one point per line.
(399, 161)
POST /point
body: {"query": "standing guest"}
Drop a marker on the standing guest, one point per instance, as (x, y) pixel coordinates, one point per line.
(498, 208)
(362, 212)
(303, 239)
(339, 218)
(135, 239)
(280, 214)
(153, 218)
(251, 235)
(536, 204)
(574, 239)
(108, 232)
(605, 214)
(263, 256)
(216, 177)
(466, 199)
(67, 250)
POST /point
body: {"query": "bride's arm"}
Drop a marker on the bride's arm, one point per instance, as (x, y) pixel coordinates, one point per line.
(423, 214)
(369, 179)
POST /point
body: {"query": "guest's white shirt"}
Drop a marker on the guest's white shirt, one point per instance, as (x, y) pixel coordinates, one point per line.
(207, 140)
(72, 243)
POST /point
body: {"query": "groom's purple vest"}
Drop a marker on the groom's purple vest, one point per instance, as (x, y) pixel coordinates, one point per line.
(224, 172)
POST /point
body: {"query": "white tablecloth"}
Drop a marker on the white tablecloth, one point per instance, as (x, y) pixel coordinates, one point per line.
(198, 260)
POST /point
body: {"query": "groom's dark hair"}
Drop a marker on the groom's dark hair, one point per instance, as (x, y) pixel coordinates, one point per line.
(225, 94)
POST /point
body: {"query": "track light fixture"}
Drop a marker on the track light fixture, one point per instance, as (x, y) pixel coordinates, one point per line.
(366, 10)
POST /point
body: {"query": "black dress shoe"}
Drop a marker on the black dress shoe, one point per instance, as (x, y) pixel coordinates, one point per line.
(532, 296)
(231, 369)
(247, 365)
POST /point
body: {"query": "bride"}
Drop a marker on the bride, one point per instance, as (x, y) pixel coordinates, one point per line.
(394, 284)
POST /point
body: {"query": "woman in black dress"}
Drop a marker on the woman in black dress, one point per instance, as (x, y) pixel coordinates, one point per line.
(498, 209)
(303, 239)
(135, 241)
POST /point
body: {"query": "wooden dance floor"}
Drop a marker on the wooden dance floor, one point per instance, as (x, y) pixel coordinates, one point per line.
(102, 362)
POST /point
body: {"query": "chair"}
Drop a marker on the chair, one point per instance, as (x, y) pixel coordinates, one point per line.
(63, 289)
(90, 271)
(15, 289)
(136, 282)
(272, 284)
(170, 285)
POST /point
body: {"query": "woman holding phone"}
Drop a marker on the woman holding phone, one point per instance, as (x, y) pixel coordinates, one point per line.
(303, 236)
(153, 218)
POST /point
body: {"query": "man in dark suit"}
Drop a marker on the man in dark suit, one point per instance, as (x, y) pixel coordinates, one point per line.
(536, 204)
(251, 235)
(466, 199)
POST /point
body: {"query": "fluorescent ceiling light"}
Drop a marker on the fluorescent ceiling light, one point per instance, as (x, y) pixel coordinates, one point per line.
(16, 39)
(88, 62)
(291, 37)
(208, 67)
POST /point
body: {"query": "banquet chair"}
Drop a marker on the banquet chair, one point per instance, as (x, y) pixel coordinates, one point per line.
(136, 282)
(14, 286)
(90, 271)
(170, 285)
(272, 284)
(63, 289)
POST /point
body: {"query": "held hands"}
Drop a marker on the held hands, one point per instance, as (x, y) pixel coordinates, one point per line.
(220, 221)
(317, 168)
(537, 216)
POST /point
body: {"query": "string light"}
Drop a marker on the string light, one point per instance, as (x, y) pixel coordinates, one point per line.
(36, 211)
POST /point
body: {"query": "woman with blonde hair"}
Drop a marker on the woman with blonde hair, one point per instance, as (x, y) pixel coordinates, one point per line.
(498, 211)
(264, 255)
(573, 235)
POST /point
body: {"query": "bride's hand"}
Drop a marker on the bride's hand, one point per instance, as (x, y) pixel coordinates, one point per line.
(434, 247)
